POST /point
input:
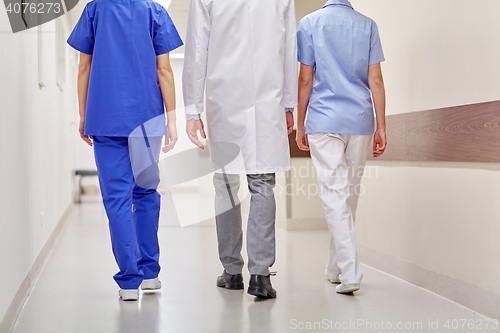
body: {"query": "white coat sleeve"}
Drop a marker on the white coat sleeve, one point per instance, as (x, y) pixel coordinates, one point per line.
(195, 58)
(290, 92)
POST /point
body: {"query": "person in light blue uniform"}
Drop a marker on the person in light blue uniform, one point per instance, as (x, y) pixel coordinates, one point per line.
(340, 54)
(125, 82)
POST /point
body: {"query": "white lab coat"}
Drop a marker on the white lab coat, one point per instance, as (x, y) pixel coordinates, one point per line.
(244, 52)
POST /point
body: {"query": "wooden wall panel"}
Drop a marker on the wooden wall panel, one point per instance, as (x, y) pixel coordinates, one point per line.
(468, 133)
(294, 149)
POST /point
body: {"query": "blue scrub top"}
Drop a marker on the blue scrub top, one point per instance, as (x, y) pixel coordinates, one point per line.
(341, 44)
(124, 37)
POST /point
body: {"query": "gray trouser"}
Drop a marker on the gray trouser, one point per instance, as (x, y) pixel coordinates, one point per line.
(261, 246)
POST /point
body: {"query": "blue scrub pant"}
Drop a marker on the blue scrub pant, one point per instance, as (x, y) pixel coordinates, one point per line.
(132, 206)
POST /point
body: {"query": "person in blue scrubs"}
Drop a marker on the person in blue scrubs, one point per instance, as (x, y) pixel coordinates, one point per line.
(125, 82)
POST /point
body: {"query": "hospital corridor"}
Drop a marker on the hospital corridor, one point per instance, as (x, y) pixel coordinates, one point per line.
(413, 247)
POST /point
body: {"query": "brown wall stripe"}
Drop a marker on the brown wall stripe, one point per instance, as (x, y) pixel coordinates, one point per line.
(467, 133)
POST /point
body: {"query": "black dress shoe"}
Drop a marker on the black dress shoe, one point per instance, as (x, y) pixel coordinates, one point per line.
(260, 286)
(229, 281)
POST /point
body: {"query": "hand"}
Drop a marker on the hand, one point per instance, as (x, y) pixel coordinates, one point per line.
(192, 128)
(289, 122)
(81, 129)
(301, 138)
(379, 143)
(171, 138)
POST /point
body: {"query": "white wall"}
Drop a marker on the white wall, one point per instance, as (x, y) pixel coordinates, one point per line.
(36, 153)
(443, 217)
(438, 53)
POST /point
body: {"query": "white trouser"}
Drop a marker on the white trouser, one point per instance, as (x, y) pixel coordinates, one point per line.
(339, 160)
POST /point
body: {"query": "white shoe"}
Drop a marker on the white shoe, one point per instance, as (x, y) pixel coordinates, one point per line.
(347, 288)
(151, 284)
(129, 294)
(336, 280)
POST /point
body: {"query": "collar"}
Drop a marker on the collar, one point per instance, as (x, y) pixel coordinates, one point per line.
(338, 2)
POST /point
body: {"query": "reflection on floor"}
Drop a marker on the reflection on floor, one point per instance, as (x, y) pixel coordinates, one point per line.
(76, 293)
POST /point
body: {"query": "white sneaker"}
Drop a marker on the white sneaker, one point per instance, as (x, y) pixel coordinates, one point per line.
(347, 288)
(129, 294)
(151, 284)
(336, 280)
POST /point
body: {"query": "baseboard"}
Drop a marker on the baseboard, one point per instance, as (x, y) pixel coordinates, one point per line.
(12, 314)
(305, 224)
(461, 292)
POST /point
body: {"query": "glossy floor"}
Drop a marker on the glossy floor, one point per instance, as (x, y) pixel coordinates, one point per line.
(76, 293)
